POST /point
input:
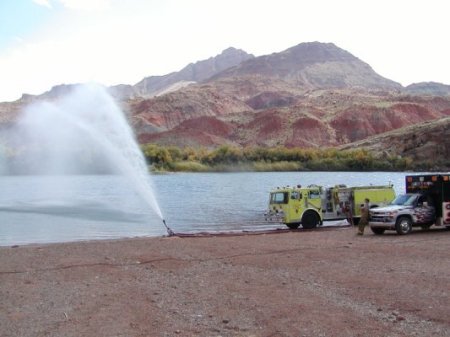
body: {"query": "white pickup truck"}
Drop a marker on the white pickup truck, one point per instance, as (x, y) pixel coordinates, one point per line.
(405, 211)
(426, 203)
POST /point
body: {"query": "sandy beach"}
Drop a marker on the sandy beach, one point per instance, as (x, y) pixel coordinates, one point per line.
(326, 282)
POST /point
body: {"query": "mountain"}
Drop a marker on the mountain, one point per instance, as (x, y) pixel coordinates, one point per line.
(428, 88)
(313, 65)
(158, 85)
(194, 72)
(311, 95)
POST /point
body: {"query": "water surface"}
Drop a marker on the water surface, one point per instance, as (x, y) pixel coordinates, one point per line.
(45, 209)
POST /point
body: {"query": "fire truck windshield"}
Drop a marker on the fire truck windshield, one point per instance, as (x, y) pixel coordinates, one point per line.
(279, 198)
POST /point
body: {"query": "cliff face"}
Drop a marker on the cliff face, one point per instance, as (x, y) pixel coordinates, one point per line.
(426, 144)
(319, 118)
(310, 95)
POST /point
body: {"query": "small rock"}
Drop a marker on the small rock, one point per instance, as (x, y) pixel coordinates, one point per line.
(225, 321)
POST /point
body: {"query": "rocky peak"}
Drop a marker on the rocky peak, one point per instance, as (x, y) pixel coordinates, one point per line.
(313, 65)
(428, 88)
(305, 54)
(194, 72)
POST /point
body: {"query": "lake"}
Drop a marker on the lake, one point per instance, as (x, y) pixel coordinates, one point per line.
(48, 209)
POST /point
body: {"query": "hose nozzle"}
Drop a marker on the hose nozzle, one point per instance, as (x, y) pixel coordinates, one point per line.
(169, 231)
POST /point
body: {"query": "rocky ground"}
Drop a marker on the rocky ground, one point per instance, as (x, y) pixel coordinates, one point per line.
(325, 282)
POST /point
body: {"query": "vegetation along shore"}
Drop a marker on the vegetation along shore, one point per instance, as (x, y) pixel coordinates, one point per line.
(230, 158)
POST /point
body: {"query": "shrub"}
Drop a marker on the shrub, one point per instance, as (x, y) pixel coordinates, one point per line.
(231, 158)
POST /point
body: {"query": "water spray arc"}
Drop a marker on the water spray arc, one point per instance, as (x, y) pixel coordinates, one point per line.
(85, 132)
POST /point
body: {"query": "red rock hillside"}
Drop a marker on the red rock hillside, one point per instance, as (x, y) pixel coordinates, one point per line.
(311, 95)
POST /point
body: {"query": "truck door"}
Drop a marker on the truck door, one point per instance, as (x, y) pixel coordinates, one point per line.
(446, 200)
(425, 211)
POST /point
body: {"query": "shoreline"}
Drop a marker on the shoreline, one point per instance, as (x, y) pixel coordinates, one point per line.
(296, 283)
(202, 234)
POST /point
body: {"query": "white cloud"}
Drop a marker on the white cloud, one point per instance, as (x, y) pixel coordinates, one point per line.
(112, 42)
(86, 5)
(45, 3)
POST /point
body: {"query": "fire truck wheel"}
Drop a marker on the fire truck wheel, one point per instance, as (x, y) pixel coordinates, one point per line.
(377, 231)
(403, 225)
(293, 225)
(310, 220)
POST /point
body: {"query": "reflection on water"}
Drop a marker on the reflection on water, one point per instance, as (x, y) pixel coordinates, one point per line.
(95, 212)
(40, 209)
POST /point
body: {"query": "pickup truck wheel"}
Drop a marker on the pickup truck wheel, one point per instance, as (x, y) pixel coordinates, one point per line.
(403, 225)
(293, 225)
(377, 231)
(310, 220)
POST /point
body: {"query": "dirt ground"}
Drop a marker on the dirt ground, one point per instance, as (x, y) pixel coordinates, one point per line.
(325, 282)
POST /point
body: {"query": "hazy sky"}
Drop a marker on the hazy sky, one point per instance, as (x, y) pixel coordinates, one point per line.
(48, 42)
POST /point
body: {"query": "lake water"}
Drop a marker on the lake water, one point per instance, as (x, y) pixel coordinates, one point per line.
(45, 209)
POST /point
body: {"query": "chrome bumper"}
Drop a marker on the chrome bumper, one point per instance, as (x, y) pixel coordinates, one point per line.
(274, 217)
(382, 224)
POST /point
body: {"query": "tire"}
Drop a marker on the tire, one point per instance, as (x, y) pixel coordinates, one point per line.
(310, 220)
(403, 225)
(377, 231)
(293, 225)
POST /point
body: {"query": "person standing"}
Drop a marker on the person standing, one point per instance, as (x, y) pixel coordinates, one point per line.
(364, 221)
(349, 213)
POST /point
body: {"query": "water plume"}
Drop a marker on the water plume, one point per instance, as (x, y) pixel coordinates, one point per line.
(84, 132)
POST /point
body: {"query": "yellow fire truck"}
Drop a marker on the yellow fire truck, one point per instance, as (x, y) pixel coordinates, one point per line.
(310, 206)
